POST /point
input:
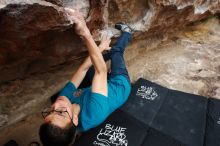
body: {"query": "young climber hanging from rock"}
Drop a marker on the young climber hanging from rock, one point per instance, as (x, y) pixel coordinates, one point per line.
(88, 107)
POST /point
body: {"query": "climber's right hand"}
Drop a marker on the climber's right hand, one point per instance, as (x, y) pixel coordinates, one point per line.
(105, 42)
(80, 23)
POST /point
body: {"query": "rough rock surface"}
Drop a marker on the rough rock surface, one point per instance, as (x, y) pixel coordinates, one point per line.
(188, 61)
(37, 34)
(38, 47)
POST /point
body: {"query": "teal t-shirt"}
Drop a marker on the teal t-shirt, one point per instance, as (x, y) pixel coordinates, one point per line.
(95, 107)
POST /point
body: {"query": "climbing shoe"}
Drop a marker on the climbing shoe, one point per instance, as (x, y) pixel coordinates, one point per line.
(123, 27)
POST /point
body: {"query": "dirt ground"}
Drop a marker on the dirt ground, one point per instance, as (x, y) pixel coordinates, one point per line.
(23, 132)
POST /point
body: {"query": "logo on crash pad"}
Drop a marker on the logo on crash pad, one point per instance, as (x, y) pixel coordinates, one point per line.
(218, 122)
(111, 135)
(148, 93)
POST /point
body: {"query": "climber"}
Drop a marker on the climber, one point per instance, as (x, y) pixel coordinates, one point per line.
(82, 109)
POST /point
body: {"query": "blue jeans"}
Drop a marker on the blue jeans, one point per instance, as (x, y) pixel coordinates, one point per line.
(118, 66)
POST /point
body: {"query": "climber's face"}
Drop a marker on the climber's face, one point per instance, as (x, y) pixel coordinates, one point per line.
(60, 113)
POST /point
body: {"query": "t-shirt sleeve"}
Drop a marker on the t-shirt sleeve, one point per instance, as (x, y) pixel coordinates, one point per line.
(97, 110)
(68, 90)
(98, 103)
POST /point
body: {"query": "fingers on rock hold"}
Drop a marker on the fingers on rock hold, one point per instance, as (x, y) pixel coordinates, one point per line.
(69, 10)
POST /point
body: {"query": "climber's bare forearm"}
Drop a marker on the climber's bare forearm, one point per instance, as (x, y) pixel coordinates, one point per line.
(95, 54)
(79, 75)
(82, 30)
(99, 83)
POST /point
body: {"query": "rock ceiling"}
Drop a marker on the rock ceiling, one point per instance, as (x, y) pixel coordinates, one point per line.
(36, 35)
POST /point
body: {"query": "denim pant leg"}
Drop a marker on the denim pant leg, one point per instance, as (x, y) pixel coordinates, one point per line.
(87, 81)
(118, 66)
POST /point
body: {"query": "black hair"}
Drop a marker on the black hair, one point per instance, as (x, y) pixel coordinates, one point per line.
(52, 135)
